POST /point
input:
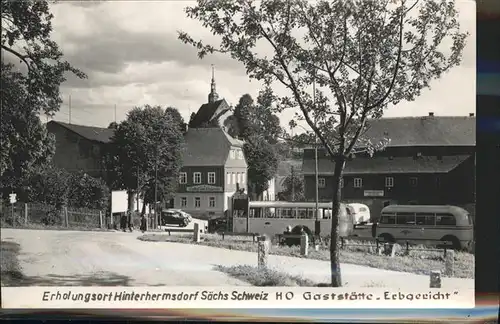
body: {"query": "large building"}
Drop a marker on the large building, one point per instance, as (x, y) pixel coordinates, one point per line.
(430, 160)
(80, 148)
(213, 167)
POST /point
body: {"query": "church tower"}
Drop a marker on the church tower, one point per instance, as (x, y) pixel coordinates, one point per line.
(213, 96)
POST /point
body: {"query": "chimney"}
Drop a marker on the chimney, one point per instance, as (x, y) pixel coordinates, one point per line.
(471, 115)
(431, 114)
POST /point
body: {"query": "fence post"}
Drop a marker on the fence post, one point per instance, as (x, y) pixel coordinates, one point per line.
(342, 242)
(449, 263)
(262, 252)
(304, 244)
(196, 233)
(13, 212)
(435, 277)
(101, 222)
(25, 214)
(66, 216)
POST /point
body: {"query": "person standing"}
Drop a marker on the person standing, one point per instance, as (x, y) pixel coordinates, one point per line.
(129, 221)
(143, 224)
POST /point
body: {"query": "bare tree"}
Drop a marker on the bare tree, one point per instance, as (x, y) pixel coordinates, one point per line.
(363, 56)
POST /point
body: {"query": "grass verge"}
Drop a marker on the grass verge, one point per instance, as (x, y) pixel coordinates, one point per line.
(10, 271)
(418, 262)
(264, 277)
(54, 227)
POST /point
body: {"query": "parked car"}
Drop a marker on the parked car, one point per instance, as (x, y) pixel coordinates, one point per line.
(175, 217)
(360, 212)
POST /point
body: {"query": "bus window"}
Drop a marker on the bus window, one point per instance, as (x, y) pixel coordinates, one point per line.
(405, 218)
(426, 219)
(445, 219)
(252, 213)
(287, 213)
(311, 213)
(267, 212)
(387, 219)
(301, 213)
(327, 213)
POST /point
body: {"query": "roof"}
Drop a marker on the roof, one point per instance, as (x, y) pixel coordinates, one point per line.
(207, 146)
(96, 134)
(208, 111)
(384, 165)
(424, 131)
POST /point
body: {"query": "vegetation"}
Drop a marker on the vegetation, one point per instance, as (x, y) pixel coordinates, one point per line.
(32, 71)
(260, 129)
(293, 187)
(418, 261)
(264, 277)
(10, 271)
(145, 157)
(361, 55)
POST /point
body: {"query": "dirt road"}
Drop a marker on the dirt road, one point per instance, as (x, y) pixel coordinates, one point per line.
(117, 258)
(107, 259)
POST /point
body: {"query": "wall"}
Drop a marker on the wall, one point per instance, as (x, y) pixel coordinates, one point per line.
(75, 153)
(230, 183)
(204, 211)
(204, 170)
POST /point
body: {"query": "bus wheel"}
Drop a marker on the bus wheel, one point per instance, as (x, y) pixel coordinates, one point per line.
(454, 241)
(388, 238)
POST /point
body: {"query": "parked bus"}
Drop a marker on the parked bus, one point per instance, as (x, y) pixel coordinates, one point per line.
(420, 224)
(272, 217)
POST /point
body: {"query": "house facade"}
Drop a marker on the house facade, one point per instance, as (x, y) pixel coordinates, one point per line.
(213, 168)
(80, 148)
(430, 160)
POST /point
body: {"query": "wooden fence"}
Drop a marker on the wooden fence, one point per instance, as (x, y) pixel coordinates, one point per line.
(23, 214)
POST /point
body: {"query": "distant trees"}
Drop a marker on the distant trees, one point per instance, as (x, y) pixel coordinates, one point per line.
(145, 153)
(260, 129)
(293, 187)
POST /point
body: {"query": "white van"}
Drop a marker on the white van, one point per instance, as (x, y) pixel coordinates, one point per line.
(360, 212)
(425, 224)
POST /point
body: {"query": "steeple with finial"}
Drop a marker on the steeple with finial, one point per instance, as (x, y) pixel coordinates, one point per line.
(213, 96)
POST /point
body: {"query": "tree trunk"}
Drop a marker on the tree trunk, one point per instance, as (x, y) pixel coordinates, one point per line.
(130, 201)
(143, 212)
(334, 234)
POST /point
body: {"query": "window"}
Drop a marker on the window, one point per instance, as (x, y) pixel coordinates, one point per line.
(239, 155)
(388, 219)
(321, 182)
(197, 202)
(211, 202)
(238, 177)
(243, 178)
(183, 178)
(445, 219)
(197, 177)
(413, 181)
(211, 177)
(184, 202)
(233, 176)
(228, 176)
(389, 182)
(232, 154)
(358, 182)
(426, 219)
(405, 218)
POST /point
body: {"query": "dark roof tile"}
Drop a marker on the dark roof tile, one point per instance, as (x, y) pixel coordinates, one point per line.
(208, 111)
(381, 165)
(96, 134)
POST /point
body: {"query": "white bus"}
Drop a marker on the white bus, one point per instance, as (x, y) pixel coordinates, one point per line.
(272, 217)
(420, 224)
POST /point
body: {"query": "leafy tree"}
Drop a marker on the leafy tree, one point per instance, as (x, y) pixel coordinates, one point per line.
(87, 192)
(293, 187)
(362, 55)
(177, 117)
(26, 36)
(147, 146)
(113, 125)
(262, 163)
(256, 125)
(25, 142)
(47, 185)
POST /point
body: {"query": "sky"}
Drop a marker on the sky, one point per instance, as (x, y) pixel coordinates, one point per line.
(131, 54)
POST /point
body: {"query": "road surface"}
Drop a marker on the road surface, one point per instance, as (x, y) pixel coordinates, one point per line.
(117, 258)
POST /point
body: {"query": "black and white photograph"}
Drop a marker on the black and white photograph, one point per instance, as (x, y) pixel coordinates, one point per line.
(326, 143)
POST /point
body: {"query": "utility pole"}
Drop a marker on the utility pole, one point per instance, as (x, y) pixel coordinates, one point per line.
(317, 223)
(70, 109)
(293, 183)
(115, 113)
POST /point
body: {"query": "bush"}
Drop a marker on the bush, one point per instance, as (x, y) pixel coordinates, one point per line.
(87, 192)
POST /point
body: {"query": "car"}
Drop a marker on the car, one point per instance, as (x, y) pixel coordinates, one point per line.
(175, 217)
(361, 213)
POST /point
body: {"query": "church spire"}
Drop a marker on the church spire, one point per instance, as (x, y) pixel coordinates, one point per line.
(213, 96)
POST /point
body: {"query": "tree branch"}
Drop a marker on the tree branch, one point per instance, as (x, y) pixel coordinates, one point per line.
(19, 55)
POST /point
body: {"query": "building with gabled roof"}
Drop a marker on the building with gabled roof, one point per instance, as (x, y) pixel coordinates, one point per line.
(429, 160)
(80, 148)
